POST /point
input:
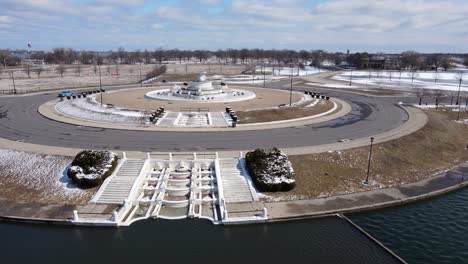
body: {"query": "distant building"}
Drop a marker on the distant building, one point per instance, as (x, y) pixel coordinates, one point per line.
(32, 62)
(379, 62)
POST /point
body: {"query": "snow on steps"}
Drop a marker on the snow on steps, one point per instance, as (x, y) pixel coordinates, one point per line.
(119, 187)
(235, 185)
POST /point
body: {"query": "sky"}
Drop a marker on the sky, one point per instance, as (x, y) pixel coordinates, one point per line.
(332, 25)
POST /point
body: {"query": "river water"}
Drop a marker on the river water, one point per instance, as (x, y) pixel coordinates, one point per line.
(432, 231)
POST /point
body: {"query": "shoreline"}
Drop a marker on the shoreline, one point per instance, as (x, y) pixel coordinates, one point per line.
(435, 186)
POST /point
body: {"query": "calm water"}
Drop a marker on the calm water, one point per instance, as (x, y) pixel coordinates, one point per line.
(328, 240)
(433, 231)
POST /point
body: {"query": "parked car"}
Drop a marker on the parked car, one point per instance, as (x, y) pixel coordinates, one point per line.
(66, 93)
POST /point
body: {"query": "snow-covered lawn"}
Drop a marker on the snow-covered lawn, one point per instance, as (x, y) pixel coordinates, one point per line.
(243, 79)
(406, 80)
(433, 106)
(287, 71)
(28, 177)
(89, 109)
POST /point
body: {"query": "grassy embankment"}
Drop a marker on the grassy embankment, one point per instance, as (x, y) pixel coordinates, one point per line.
(438, 146)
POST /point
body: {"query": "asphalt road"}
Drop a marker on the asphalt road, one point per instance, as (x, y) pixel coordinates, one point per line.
(369, 116)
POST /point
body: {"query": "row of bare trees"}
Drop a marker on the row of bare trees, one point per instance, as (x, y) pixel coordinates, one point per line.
(439, 95)
(406, 60)
(121, 56)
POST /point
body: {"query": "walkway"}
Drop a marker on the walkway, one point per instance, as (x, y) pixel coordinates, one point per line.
(235, 185)
(119, 187)
(439, 184)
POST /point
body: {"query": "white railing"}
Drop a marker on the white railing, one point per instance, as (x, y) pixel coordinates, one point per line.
(138, 181)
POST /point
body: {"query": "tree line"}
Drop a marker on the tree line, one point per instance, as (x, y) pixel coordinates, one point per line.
(405, 60)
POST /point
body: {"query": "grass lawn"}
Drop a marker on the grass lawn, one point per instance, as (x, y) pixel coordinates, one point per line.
(277, 114)
(438, 146)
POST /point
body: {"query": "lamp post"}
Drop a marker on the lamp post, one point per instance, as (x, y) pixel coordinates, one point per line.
(369, 162)
(13, 79)
(290, 92)
(460, 79)
(264, 77)
(253, 76)
(141, 82)
(100, 82)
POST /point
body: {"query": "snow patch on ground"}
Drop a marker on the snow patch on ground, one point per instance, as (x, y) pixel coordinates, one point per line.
(329, 85)
(89, 109)
(43, 176)
(454, 108)
(287, 71)
(423, 80)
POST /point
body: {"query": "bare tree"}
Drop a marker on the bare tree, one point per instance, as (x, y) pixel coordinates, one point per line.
(452, 95)
(437, 94)
(447, 64)
(436, 76)
(421, 93)
(95, 69)
(108, 69)
(146, 56)
(117, 69)
(378, 73)
(27, 69)
(435, 61)
(61, 69)
(466, 101)
(38, 71)
(459, 78)
(158, 55)
(413, 74)
(411, 60)
(78, 69)
(122, 54)
(390, 75)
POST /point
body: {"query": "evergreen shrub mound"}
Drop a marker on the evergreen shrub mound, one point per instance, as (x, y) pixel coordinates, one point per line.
(271, 170)
(91, 167)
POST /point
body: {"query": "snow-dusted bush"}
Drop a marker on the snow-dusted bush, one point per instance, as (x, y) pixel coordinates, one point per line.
(271, 170)
(91, 167)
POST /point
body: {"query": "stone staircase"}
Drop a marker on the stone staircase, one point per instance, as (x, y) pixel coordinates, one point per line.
(235, 185)
(119, 187)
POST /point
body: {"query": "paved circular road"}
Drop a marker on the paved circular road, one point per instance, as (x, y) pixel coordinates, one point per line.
(369, 116)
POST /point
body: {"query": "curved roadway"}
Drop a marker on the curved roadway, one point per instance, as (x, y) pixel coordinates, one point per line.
(369, 116)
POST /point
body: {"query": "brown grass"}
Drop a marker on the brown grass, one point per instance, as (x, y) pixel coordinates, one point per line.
(268, 115)
(135, 99)
(13, 190)
(438, 146)
(177, 77)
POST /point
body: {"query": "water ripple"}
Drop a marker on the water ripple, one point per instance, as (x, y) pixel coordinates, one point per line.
(433, 231)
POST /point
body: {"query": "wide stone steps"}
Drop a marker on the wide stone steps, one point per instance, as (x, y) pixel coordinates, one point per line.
(235, 185)
(119, 187)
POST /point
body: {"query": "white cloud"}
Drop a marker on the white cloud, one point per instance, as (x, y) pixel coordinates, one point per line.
(157, 26)
(383, 24)
(209, 2)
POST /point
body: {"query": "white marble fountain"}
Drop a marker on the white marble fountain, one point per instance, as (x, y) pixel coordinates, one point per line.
(201, 90)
